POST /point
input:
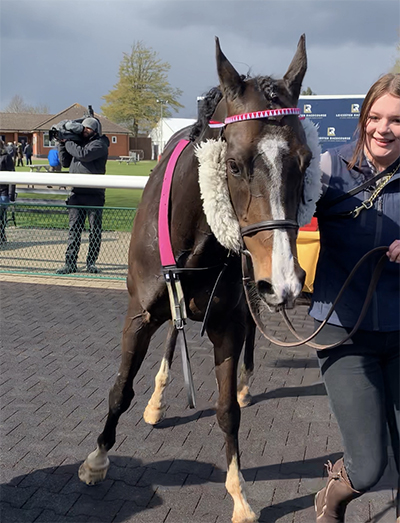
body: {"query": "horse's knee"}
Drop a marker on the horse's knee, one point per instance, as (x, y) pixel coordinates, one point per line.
(228, 416)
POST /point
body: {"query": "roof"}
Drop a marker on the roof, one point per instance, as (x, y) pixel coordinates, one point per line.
(20, 122)
(28, 122)
(76, 111)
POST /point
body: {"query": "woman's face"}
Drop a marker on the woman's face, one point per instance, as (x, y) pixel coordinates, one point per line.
(383, 131)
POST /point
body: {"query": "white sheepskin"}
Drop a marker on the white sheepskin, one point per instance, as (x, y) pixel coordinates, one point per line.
(214, 192)
(217, 205)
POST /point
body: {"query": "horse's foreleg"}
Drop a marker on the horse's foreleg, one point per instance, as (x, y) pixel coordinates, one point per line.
(155, 410)
(246, 371)
(136, 336)
(227, 350)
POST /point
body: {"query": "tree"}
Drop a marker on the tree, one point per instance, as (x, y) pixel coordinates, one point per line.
(143, 92)
(17, 105)
(307, 91)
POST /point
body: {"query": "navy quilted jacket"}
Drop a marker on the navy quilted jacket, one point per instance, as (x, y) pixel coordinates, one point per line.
(345, 240)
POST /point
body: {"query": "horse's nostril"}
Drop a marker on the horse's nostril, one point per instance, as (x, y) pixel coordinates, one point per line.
(264, 287)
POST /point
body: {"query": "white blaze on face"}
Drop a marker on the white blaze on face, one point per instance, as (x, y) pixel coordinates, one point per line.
(284, 279)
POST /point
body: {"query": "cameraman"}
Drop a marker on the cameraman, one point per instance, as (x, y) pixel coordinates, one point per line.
(86, 156)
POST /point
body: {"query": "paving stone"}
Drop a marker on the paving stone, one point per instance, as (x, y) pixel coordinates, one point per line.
(60, 357)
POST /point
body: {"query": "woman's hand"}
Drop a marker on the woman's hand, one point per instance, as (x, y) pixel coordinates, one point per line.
(394, 252)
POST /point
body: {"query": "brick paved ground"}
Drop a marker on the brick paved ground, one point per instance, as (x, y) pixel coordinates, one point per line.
(60, 354)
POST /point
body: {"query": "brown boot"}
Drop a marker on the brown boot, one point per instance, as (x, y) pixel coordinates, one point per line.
(331, 501)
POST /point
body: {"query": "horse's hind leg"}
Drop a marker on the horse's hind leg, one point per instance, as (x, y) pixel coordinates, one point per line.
(138, 329)
(155, 410)
(246, 371)
(227, 346)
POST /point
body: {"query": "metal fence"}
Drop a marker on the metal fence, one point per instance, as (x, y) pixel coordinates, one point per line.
(36, 238)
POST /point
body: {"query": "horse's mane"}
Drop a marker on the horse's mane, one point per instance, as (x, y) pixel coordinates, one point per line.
(266, 84)
(210, 102)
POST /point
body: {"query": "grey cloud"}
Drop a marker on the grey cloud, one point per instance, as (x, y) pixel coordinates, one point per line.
(77, 45)
(272, 21)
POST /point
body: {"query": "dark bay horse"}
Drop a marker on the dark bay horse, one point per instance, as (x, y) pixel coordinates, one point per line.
(237, 187)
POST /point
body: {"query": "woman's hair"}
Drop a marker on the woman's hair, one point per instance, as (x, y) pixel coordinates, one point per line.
(387, 84)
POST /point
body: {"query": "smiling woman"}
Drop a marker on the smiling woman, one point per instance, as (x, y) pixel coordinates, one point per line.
(358, 212)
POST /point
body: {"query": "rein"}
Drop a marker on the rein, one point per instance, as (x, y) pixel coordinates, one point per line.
(248, 282)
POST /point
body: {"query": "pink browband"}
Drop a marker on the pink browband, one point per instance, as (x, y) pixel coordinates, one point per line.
(255, 115)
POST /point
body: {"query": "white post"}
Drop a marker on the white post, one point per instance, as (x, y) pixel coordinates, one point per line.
(161, 102)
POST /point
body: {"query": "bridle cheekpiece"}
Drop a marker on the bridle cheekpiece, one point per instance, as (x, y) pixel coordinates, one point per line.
(255, 115)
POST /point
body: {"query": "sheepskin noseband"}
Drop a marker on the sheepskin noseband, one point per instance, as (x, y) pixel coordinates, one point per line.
(214, 191)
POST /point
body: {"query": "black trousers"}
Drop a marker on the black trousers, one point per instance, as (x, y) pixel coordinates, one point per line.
(77, 218)
(362, 381)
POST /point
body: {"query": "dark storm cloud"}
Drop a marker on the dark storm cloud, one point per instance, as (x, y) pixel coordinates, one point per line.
(331, 21)
(61, 52)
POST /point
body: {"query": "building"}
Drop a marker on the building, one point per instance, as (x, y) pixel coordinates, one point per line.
(163, 131)
(34, 128)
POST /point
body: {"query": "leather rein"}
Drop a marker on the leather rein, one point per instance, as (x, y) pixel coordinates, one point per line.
(248, 283)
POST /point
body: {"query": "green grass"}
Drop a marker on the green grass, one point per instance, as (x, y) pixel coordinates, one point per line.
(114, 197)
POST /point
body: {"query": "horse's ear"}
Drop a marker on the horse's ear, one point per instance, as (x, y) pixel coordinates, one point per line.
(231, 83)
(297, 69)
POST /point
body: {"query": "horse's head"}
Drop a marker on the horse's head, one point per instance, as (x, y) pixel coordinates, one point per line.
(266, 159)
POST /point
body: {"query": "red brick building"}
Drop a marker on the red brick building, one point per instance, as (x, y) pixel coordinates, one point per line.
(34, 128)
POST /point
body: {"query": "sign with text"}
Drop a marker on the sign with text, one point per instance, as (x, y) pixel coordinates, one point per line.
(335, 116)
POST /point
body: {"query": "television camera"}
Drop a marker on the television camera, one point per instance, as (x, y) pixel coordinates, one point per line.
(70, 129)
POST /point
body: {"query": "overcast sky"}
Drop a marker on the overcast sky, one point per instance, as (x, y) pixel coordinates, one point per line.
(58, 52)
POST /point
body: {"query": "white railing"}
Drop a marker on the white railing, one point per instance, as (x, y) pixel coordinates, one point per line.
(102, 181)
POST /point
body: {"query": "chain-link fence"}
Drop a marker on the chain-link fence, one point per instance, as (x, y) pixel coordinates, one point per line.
(41, 238)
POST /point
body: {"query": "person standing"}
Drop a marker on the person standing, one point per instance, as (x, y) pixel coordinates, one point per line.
(360, 210)
(6, 164)
(54, 161)
(20, 155)
(28, 153)
(11, 149)
(15, 144)
(88, 157)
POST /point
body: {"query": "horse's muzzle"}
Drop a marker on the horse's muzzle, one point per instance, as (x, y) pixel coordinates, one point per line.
(284, 291)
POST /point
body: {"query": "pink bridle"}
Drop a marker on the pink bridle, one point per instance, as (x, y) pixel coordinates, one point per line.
(255, 115)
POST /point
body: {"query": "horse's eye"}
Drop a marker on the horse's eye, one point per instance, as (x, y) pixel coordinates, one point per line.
(234, 169)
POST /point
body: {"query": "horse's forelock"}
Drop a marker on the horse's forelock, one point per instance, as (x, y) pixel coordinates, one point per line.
(268, 86)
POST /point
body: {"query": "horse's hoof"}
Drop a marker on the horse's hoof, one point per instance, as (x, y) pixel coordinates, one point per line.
(153, 416)
(248, 517)
(92, 476)
(244, 400)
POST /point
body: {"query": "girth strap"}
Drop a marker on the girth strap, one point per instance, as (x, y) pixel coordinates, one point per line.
(170, 270)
